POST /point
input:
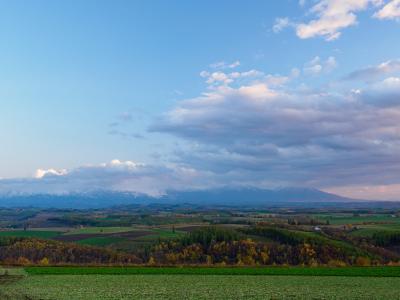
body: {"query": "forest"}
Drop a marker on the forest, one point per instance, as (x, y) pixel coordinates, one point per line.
(214, 245)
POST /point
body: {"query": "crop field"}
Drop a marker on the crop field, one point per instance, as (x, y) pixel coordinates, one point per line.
(99, 236)
(350, 219)
(31, 233)
(100, 241)
(199, 287)
(369, 230)
(284, 271)
(99, 230)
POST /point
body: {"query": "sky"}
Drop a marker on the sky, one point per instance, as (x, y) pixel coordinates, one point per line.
(153, 96)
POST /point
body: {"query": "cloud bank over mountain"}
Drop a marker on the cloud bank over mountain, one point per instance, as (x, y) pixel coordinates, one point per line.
(291, 134)
(124, 176)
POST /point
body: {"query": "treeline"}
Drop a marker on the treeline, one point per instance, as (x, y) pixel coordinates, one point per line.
(276, 247)
(26, 251)
(256, 245)
(71, 220)
(386, 239)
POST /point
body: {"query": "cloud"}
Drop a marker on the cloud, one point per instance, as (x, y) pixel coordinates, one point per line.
(373, 72)
(390, 11)
(282, 135)
(50, 172)
(221, 65)
(122, 125)
(316, 66)
(127, 176)
(126, 135)
(218, 78)
(221, 79)
(331, 17)
(280, 24)
(385, 93)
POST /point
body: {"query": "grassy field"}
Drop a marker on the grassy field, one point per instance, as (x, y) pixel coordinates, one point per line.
(100, 241)
(369, 230)
(350, 219)
(101, 236)
(199, 287)
(31, 233)
(99, 230)
(282, 271)
(162, 234)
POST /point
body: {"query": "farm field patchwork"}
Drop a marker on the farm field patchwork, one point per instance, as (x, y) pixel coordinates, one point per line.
(199, 287)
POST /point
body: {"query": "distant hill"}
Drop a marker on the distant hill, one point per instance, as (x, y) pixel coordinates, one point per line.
(215, 197)
(253, 196)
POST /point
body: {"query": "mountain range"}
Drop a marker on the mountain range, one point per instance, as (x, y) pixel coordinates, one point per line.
(238, 197)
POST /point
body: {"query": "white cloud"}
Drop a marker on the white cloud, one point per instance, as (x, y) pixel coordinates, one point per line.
(221, 78)
(218, 77)
(221, 65)
(316, 66)
(280, 24)
(331, 17)
(40, 173)
(330, 64)
(390, 11)
(313, 67)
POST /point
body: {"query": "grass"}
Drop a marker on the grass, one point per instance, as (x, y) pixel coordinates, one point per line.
(12, 271)
(161, 234)
(347, 219)
(199, 287)
(100, 241)
(31, 233)
(99, 230)
(369, 230)
(298, 271)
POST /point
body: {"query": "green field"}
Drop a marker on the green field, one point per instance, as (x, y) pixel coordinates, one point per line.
(99, 230)
(350, 219)
(282, 271)
(100, 241)
(199, 287)
(369, 230)
(162, 233)
(31, 233)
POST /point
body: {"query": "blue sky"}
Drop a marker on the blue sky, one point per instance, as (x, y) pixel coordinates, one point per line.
(92, 86)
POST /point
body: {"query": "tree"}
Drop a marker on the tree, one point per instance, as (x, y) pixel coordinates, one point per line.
(44, 261)
(151, 261)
